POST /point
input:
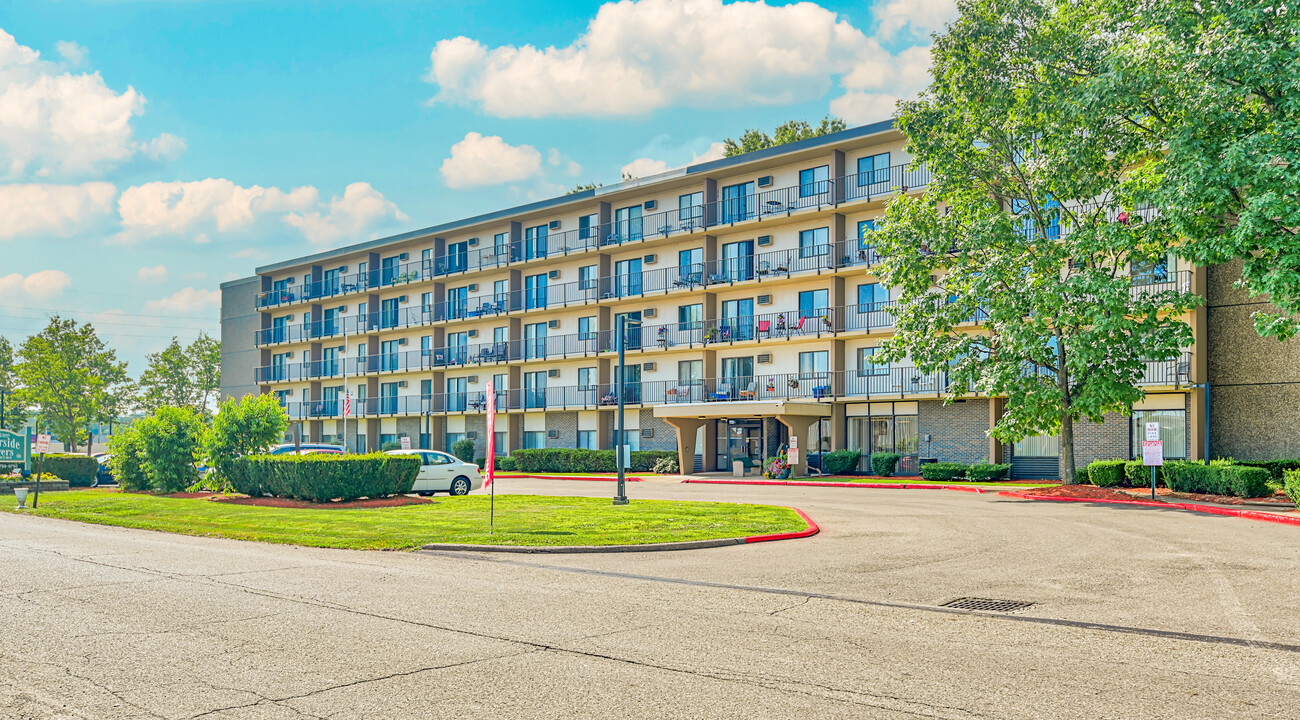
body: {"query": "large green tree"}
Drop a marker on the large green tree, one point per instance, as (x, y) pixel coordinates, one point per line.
(70, 378)
(786, 132)
(15, 415)
(183, 376)
(1015, 268)
(248, 426)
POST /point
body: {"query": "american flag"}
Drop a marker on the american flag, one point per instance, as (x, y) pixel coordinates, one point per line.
(347, 404)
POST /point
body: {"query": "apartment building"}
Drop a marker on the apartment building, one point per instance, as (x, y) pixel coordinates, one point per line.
(748, 285)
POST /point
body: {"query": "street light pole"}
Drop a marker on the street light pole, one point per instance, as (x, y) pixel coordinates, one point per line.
(620, 497)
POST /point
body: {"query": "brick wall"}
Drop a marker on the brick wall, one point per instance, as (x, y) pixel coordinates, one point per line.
(665, 435)
(477, 424)
(1107, 440)
(959, 432)
(566, 424)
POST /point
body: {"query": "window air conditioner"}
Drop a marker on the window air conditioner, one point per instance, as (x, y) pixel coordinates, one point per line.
(401, 383)
(764, 299)
(555, 225)
(288, 392)
(554, 274)
(401, 341)
(764, 239)
(402, 256)
(473, 379)
(765, 181)
(650, 259)
(552, 324)
(343, 269)
(764, 358)
(647, 432)
(289, 355)
(650, 312)
(553, 373)
(401, 298)
(552, 434)
(648, 367)
(471, 435)
(650, 204)
(473, 333)
(473, 287)
(473, 242)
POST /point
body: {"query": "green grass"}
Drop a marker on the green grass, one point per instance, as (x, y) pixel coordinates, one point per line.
(520, 520)
(909, 481)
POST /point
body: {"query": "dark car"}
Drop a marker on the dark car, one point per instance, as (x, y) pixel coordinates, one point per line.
(104, 476)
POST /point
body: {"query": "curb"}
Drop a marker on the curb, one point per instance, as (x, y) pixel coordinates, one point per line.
(814, 483)
(1210, 510)
(809, 531)
(584, 478)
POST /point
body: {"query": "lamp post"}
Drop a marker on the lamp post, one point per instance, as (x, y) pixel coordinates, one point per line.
(2, 407)
(620, 497)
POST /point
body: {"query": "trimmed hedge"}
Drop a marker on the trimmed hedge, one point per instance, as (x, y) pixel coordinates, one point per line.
(571, 460)
(1276, 468)
(884, 464)
(463, 449)
(505, 463)
(1218, 478)
(987, 472)
(324, 477)
(1246, 482)
(1291, 485)
(943, 470)
(1138, 475)
(841, 462)
(1106, 473)
(78, 470)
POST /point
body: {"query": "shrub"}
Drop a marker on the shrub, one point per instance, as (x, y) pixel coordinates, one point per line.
(463, 449)
(1106, 473)
(578, 460)
(985, 472)
(1291, 485)
(884, 464)
(1246, 482)
(1138, 475)
(482, 463)
(78, 470)
(245, 427)
(390, 445)
(841, 462)
(126, 460)
(665, 466)
(324, 477)
(506, 463)
(644, 460)
(1276, 468)
(943, 470)
(1188, 477)
(171, 438)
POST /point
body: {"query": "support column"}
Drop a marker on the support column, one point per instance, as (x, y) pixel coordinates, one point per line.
(996, 407)
(686, 450)
(801, 426)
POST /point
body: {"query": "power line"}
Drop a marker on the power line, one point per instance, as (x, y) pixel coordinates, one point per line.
(74, 310)
(128, 324)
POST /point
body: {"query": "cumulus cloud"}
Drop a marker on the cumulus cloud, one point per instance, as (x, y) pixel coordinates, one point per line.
(40, 285)
(637, 56)
(557, 159)
(646, 166)
(186, 301)
(357, 213)
(155, 274)
(217, 204)
(481, 160)
(72, 52)
(643, 167)
(55, 123)
(914, 19)
(53, 210)
(872, 95)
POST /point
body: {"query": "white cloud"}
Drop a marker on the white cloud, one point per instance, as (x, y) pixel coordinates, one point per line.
(716, 151)
(358, 212)
(647, 166)
(40, 285)
(643, 167)
(637, 56)
(155, 274)
(252, 254)
(557, 159)
(72, 52)
(214, 204)
(186, 301)
(872, 94)
(52, 210)
(55, 123)
(913, 18)
(480, 160)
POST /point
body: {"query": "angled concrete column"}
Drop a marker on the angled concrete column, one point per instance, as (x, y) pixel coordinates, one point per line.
(803, 427)
(686, 449)
(996, 407)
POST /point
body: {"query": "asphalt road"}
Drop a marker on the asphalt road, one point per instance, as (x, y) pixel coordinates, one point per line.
(1138, 613)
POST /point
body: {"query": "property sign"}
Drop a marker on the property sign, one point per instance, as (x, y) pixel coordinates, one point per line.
(1153, 431)
(42, 443)
(792, 455)
(13, 447)
(1153, 452)
(405, 440)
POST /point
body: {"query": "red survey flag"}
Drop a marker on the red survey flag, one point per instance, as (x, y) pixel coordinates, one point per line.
(490, 464)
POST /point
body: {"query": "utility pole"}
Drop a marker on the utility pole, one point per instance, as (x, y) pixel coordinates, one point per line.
(620, 497)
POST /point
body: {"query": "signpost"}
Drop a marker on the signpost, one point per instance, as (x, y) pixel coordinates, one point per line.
(14, 448)
(42, 447)
(792, 452)
(405, 442)
(489, 463)
(1153, 452)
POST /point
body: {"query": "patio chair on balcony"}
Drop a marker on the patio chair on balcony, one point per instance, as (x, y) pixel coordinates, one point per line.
(764, 326)
(479, 403)
(773, 207)
(750, 392)
(723, 392)
(764, 267)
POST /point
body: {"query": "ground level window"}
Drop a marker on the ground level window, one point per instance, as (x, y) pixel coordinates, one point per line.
(452, 439)
(385, 438)
(1039, 446)
(1173, 431)
(534, 439)
(587, 439)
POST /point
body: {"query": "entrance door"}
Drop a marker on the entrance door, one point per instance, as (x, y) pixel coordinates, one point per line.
(1037, 458)
(743, 442)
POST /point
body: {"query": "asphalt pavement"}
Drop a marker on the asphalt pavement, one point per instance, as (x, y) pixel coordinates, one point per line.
(1136, 613)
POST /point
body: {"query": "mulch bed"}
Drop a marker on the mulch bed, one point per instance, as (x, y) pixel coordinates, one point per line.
(396, 501)
(1091, 492)
(1282, 501)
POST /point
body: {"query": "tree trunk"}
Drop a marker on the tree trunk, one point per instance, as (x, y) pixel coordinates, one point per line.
(1068, 474)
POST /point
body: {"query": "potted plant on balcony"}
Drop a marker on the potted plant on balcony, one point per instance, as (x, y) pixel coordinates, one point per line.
(794, 383)
(826, 320)
(711, 334)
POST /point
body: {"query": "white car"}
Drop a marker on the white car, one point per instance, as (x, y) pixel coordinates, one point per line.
(441, 472)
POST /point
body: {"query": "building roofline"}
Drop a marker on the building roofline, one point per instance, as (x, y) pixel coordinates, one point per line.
(239, 281)
(676, 173)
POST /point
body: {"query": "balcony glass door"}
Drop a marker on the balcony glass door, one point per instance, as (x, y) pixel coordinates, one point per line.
(627, 278)
(458, 257)
(738, 375)
(457, 302)
(388, 269)
(535, 242)
(534, 341)
(627, 224)
(535, 291)
(738, 261)
(633, 338)
(737, 202)
(457, 389)
(535, 389)
(737, 320)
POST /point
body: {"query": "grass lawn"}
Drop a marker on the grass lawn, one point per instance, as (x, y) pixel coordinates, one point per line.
(906, 481)
(520, 520)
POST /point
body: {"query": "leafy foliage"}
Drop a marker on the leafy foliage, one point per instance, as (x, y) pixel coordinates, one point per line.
(1218, 478)
(463, 449)
(943, 470)
(248, 426)
(841, 462)
(665, 466)
(506, 463)
(78, 470)
(786, 132)
(126, 459)
(1106, 473)
(566, 460)
(1291, 485)
(68, 373)
(171, 440)
(15, 415)
(182, 376)
(986, 472)
(1138, 475)
(324, 477)
(580, 187)
(884, 464)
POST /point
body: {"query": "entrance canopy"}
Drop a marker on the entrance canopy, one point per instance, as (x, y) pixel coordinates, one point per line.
(798, 416)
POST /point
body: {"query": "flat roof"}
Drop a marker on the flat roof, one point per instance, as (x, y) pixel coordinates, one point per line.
(561, 200)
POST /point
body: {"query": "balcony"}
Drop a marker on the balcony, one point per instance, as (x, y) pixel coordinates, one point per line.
(759, 206)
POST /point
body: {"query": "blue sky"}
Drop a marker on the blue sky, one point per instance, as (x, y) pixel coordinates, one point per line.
(152, 149)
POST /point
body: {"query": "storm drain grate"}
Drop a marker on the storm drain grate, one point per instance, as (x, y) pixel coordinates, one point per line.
(987, 604)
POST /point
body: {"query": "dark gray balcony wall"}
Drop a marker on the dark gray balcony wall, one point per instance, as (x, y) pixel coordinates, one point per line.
(239, 323)
(1255, 382)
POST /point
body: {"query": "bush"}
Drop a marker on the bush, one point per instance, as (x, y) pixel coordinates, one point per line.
(463, 449)
(665, 466)
(986, 472)
(171, 438)
(841, 462)
(1291, 485)
(1276, 468)
(390, 445)
(126, 459)
(78, 470)
(943, 470)
(1138, 475)
(884, 464)
(577, 460)
(644, 460)
(1246, 482)
(1189, 477)
(245, 427)
(1106, 473)
(506, 463)
(324, 477)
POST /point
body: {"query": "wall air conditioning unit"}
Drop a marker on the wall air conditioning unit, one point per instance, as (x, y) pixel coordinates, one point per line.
(764, 358)
(553, 373)
(401, 341)
(650, 312)
(552, 324)
(401, 383)
(343, 308)
(765, 181)
(648, 367)
(647, 432)
(764, 239)
(471, 435)
(472, 380)
(402, 256)
(343, 268)
(473, 333)
(554, 274)
(650, 204)
(555, 225)
(650, 259)
(764, 299)
(290, 318)
(473, 242)
(289, 392)
(289, 354)
(291, 280)
(553, 434)
(473, 287)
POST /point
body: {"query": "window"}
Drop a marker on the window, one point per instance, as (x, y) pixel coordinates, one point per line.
(534, 341)
(587, 439)
(865, 230)
(283, 397)
(737, 202)
(813, 243)
(587, 328)
(631, 330)
(426, 262)
(690, 372)
(535, 389)
(388, 398)
(814, 181)
(279, 366)
(587, 225)
(586, 378)
(363, 273)
(388, 313)
(690, 317)
(871, 297)
(458, 256)
(331, 282)
(737, 320)
(535, 291)
(587, 277)
(1039, 446)
(458, 302)
(867, 365)
(534, 439)
(457, 388)
(457, 348)
(1150, 272)
(426, 303)
(872, 170)
(690, 211)
(535, 242)
(501, 385)
(499, 443)
(438, 459)
(814, 364)
(388, 355)
(627, 223)
(1173, 431)
(627, 277)
(737, 261)
(280, 329)
(331, 326)
(500, 336)
(330, 361)
(631, 383)
(426, 390)
(814, 303)
(388, 269)
(362, 315)
(690, 266)
(738, 374)
(501, 293)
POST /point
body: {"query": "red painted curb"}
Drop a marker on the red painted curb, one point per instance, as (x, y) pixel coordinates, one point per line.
(584, 478)
(814, 483)
(809, 531)
(1229, 512)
